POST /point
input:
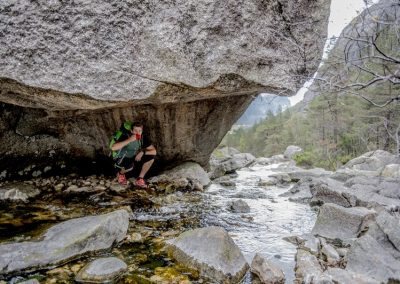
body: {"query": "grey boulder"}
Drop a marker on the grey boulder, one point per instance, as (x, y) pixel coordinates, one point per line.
(337, 222)
(267, 271)
(102, 270)
(211, 251)
(291, 151)
(372, 161)
(367, 257)
(65, 241)
(188, 175)
(226, 161)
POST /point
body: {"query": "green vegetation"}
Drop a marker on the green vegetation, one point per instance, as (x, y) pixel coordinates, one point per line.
(332, 130)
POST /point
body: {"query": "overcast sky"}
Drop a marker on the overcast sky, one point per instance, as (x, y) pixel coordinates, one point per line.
(342, 12)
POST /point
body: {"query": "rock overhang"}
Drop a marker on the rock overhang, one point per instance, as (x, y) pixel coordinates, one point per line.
(67, 67)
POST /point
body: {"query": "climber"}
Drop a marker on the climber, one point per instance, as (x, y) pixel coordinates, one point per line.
(131, 150)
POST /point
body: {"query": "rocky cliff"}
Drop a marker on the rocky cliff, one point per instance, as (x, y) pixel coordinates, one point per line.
(364, 59)
(73, 71)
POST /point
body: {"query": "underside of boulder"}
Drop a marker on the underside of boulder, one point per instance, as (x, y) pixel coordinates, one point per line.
(72, 72)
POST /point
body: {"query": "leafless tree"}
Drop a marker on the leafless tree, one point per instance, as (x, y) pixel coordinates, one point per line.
(365, 62)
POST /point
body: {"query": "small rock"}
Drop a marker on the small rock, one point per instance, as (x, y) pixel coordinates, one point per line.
(3, 174)
(281, 178)
(72, 188)
(227, 183)
(238, 206)
(36, 173)
(136, 238)
(102, 270)
(307, 266)
(332, 256)
(296, 240)
(59, 187)
(312, 244)
(100, 188)
(267, 271)
(269, 181)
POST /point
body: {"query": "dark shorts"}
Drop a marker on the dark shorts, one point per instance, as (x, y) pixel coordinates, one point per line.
(129, 164)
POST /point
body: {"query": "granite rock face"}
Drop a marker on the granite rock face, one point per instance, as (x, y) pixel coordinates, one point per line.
(123, 50)
(73, 71)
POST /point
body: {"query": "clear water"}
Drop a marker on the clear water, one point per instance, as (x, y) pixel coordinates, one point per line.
(271, 217)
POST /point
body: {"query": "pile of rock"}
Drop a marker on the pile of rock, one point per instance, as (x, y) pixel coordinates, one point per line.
(365, 181)
(350, 245)
(356, 235)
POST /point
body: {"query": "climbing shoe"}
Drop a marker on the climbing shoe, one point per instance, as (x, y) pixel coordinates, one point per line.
(140, 183)
(122, 179)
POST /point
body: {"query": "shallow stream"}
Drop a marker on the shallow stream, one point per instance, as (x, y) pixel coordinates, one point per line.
(270, 219)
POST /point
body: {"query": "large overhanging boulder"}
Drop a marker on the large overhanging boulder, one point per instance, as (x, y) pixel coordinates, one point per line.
(73, 71)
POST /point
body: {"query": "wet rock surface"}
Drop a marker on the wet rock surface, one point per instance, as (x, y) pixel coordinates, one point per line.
(67, 240)
(212, 251)
(102, 270)
(156, 215)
